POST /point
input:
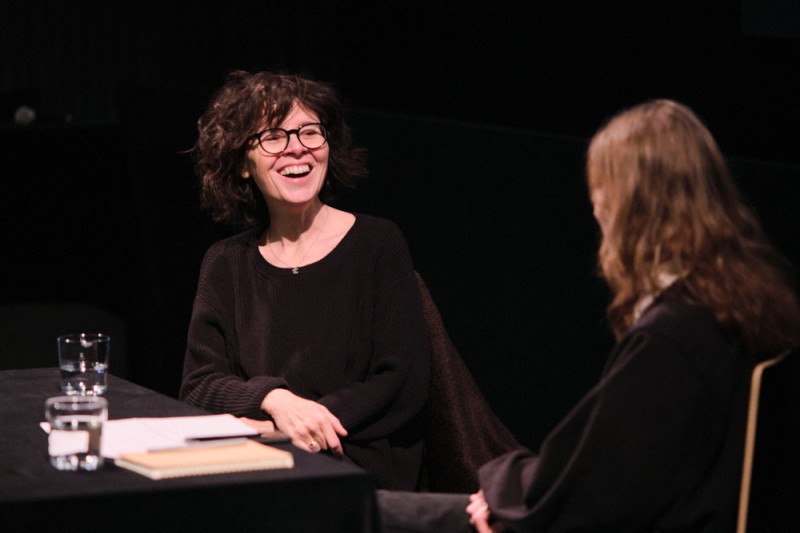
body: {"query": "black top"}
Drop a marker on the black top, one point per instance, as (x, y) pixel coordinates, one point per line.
(346, 331)
(656, 445)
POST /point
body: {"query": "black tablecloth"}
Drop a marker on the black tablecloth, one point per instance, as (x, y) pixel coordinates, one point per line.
(320, 494)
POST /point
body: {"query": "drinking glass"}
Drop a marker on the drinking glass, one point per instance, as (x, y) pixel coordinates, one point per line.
(76, 428)
(83, 359)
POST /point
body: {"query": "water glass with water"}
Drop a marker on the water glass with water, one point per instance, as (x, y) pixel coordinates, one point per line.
(83, 358)
(76, 429)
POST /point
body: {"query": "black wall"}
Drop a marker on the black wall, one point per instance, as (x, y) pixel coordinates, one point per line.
(561, 67)
(475, 119)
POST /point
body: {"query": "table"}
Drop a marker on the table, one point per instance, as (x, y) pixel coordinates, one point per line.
(319, 494)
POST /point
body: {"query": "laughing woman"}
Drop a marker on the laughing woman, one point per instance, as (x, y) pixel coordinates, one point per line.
(310, 320)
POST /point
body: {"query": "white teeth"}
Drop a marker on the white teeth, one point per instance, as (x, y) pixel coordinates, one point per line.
(294, 170)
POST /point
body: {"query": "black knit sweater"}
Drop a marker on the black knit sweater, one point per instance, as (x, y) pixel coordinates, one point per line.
(346, 331)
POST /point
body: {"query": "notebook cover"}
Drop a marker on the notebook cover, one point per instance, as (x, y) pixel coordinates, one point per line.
(203, 460)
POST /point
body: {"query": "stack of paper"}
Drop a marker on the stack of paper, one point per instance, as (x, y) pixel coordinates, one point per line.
(133, 435)
(186, 446)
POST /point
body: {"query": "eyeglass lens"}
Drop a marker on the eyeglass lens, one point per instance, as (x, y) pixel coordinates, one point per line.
(275, 140)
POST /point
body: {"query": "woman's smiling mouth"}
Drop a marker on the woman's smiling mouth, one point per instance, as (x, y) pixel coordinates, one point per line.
(296, 171)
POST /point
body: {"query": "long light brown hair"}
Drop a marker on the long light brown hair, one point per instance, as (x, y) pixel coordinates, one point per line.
(673, 207)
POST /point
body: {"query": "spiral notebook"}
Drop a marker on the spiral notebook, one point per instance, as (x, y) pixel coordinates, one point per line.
(204, 460)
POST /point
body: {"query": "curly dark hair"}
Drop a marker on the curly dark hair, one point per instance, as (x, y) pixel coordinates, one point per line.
(244, 104)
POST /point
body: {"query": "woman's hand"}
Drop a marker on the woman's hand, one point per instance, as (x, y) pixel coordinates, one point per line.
(479, 514)
(310, 425)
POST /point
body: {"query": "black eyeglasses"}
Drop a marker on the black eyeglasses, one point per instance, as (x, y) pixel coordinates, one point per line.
(275, 140)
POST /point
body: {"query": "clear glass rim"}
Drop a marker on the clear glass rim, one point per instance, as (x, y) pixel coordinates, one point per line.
(76, 400)
(78, 337)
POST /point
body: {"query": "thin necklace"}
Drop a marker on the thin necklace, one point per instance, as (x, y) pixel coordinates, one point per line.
(296, 268)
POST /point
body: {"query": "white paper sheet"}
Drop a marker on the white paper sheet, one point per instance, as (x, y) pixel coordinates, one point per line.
(131, 435)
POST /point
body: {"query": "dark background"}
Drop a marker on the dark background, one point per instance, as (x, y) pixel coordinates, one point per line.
(475, 119)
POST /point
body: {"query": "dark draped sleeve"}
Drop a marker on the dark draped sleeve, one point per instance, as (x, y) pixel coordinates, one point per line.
(655, 444)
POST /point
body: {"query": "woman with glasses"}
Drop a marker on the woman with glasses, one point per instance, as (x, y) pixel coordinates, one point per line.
(699, 296)
(309, 321)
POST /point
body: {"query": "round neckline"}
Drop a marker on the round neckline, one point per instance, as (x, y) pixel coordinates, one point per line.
(266, 268)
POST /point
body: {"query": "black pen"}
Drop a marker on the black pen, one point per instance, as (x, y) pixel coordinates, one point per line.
(204, 442)
(220, 437)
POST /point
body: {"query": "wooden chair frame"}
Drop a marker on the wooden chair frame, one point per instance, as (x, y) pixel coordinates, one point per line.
(750, 438)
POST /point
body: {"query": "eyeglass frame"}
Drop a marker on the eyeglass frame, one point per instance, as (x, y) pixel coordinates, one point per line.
(296, 132)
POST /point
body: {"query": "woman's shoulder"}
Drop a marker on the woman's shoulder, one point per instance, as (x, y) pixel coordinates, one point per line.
(231, 246)
(673, 325)
(378, 233)
(374, 224)
(381, 240)
(673, 314)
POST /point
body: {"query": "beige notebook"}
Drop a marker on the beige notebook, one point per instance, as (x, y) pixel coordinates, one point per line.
(202, 460)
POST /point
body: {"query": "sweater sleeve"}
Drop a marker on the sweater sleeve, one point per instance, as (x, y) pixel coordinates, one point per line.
(395, 389)
(210, 379)
(633, 446)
